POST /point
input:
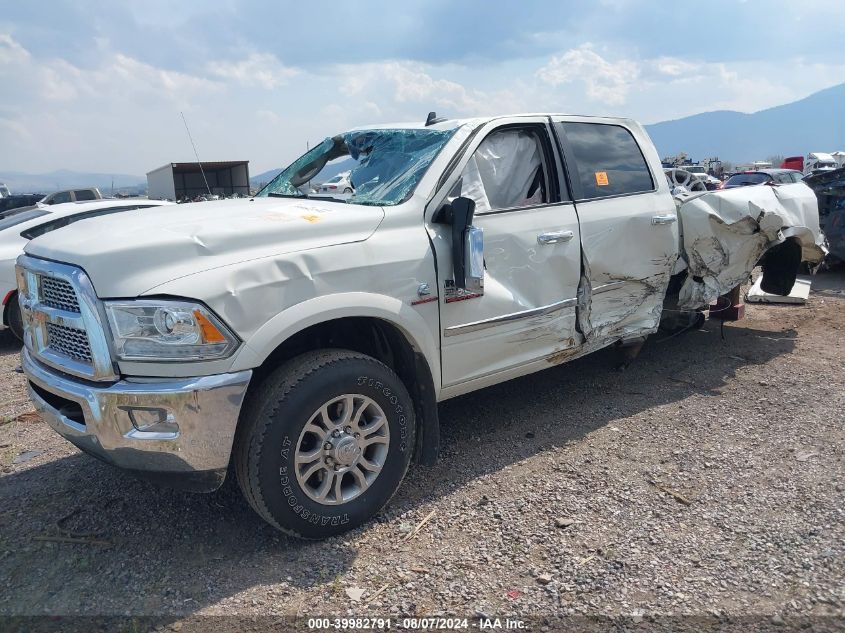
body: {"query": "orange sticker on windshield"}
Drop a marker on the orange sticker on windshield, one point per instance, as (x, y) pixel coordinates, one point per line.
(601, 179)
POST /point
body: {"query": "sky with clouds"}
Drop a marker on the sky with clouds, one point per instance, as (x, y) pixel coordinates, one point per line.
(98, 85)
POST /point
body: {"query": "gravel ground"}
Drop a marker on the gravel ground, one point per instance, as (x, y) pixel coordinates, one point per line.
(707, 478)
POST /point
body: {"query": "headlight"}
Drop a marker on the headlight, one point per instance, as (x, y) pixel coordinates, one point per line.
(168, 330)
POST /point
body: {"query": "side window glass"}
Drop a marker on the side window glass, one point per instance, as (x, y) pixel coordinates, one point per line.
(59, 198)
(608, 160)
(84, 194)
(507, 171)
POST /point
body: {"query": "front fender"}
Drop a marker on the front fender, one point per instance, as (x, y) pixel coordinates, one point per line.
(337, 306)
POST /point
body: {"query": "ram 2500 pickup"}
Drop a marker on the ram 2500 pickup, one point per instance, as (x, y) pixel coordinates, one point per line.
(304, 341)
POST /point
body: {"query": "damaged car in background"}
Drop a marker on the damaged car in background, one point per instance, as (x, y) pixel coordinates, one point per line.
(306, 339)
(830, 191)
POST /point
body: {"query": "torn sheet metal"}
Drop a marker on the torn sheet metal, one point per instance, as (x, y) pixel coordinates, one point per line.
(724, 234)
(830, 190)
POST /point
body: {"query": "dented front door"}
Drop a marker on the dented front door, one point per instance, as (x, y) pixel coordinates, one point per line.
(629, 228)
(526, 310)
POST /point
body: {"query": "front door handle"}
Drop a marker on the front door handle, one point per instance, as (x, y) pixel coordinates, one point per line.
(663, 219)
(555, 237)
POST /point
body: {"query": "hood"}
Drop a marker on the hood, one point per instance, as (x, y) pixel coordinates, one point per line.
(126, 255)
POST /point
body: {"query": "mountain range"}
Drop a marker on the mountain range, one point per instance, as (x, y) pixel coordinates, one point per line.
(66, 179)
(808, 125)
(794, 129)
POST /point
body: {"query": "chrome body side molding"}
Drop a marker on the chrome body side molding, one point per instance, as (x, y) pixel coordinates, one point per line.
(483, 324)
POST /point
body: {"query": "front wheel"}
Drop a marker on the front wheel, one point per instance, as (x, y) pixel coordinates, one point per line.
(325, 441)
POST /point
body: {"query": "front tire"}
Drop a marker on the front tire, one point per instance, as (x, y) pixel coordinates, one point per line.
(325, 441)
(14, 318)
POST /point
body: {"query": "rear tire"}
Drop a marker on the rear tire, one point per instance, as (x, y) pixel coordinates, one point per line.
(14, 318)
(324, 442)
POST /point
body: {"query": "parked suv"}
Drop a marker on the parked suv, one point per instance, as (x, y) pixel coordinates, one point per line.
(307, 341)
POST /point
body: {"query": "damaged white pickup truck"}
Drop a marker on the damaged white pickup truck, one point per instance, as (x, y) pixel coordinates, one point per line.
(306, 340)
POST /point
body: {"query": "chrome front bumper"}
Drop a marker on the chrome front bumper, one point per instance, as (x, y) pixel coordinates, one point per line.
(177, 431)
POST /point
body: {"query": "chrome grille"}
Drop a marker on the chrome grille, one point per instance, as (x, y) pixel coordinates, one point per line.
(62, 324)
(69, 341)
(58, 293)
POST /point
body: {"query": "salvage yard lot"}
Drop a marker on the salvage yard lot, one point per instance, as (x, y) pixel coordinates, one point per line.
(706, 477)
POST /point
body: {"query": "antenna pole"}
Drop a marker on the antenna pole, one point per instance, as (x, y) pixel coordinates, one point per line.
(190, 138)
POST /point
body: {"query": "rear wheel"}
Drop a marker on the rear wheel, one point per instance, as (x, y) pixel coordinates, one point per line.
(324, 442)
(14, 318)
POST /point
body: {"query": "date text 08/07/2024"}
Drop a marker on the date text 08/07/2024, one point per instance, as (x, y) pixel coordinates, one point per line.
(432, 623)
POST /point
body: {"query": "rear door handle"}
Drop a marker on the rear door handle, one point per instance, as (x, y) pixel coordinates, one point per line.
(555, 237)
(663, 219)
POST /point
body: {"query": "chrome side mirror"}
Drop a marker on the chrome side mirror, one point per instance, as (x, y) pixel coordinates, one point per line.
(467, 243)
(474, 258)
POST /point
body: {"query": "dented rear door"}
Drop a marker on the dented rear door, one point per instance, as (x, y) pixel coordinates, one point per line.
(628, 221)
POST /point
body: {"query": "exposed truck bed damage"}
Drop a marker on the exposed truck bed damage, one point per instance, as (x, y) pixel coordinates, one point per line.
(725, 233)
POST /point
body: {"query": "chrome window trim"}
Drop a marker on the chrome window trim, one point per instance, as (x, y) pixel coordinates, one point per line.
(90, 318)
(483, 324)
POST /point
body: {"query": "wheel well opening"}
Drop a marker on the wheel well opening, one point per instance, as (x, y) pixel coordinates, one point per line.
(780, 267)
(7, 305)
(384, 342)
(373, 337)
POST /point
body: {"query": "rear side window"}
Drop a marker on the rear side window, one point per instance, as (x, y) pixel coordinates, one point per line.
(608, 161)
(84, 194)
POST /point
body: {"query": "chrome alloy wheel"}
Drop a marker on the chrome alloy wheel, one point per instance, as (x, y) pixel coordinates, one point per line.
(342, 449)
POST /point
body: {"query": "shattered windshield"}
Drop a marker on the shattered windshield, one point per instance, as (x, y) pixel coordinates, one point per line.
(379, 167)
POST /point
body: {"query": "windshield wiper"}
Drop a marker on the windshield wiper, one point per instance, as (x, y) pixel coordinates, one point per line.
(329, 199)
(273, 194)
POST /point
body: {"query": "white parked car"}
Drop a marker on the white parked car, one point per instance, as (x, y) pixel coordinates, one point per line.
(18, 226)
(338, 185)
(307, 341)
